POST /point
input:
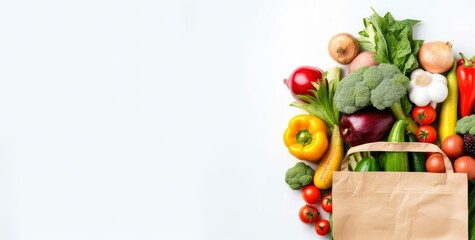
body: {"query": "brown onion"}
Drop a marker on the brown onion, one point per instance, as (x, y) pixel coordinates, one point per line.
(363, 59)
(436, 57)
(343, 48)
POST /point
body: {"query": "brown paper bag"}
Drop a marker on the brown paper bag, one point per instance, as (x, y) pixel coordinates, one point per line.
(399, 205)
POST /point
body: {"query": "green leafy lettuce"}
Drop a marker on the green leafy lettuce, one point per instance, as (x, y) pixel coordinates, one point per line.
(391, 40)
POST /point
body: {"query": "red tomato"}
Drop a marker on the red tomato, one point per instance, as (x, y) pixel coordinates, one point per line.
(424, 115)
(311, 194)
(426, 133)
(453, 146)
(327, 203)
(435, 163)
(322, 227)
(465, 164)
(309, 214)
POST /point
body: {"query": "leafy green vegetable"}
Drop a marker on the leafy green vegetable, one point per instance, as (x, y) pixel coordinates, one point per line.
(391, 40)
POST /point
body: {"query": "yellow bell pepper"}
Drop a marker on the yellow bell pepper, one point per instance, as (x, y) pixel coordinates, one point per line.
(306, 137)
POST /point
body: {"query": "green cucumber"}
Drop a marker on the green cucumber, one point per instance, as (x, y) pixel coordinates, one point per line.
(367, 164)
(471, 214)
(397, 161)
(471, 227)
(471, 203)
(382, 160)
(417, 160)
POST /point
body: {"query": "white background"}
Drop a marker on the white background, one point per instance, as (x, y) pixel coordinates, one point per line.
(164, 119)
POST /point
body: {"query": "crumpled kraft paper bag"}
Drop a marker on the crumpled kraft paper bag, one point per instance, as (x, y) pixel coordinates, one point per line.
(399, 205)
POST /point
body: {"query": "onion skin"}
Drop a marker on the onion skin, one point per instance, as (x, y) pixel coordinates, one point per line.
(436, 56)
(363, 59)
(365, 126)
(343, 48)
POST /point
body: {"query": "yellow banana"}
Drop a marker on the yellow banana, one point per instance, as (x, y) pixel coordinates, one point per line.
(448, 112)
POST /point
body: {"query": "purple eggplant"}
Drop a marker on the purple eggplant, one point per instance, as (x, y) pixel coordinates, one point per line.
(365, 126)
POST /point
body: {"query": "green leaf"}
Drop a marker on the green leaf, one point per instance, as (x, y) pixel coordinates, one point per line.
(381, 26)
(363, 34)
(399, 26)
(367, 40)
(389, 18)
(411, 64)
(416, 45)
(403, 45)
(366, 44)
(406, 105)
(393, 45)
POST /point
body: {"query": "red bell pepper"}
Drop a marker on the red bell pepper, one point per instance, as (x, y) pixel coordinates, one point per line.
(466, 83)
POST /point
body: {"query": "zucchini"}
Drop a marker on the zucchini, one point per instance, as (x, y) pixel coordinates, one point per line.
(417, 160)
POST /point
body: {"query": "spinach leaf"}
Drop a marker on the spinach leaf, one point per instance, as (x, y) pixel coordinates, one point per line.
(391, 40)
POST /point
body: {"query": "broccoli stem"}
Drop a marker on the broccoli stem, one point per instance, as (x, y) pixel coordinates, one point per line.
(397, 111)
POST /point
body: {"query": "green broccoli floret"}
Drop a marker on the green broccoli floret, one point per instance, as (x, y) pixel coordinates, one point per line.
(372, 77)
(362, 93)
(344, 98)
(466, 125)
(299, 175)
(389, 91)
(345, 104)
(389, 70)
(381, 86)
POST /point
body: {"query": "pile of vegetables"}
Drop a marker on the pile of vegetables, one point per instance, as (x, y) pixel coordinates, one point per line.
(397, 89)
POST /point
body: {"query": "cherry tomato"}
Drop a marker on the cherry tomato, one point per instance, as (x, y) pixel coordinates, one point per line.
(424, 115)
(322, 227)
(311, 194)
(327, 203)
(435, 163)
(426, 134)
(309, 214)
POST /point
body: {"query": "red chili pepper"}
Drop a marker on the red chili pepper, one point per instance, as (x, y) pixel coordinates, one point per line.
(466, 82)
